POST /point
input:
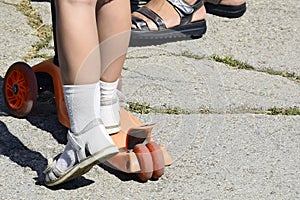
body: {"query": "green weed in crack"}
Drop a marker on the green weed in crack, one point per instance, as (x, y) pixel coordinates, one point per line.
(42, 31)
(233, 63)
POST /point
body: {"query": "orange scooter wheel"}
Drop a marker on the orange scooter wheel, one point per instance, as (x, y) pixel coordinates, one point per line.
(157, 159)
(20, 89)
(145, 161)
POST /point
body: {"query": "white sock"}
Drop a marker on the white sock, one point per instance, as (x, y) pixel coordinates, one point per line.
(83, 106)
(108, 90)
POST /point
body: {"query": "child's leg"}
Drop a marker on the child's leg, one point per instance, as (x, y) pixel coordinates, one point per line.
(115, 39)
(113, 46)
(77, 39)
(79, 57)
(78, 51)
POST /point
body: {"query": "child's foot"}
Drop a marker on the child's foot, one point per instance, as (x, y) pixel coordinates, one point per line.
(109, 106)
(88, 141)
(84, 150)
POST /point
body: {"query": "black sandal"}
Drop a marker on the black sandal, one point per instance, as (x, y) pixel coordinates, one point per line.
(186, 30)
(214, 7)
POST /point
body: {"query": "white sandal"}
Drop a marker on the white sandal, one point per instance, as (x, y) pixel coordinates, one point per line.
(91, 146)
(110, 114)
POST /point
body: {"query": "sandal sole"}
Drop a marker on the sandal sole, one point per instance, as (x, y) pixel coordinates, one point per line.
(86, 165)
(189, 31)
(225, 11)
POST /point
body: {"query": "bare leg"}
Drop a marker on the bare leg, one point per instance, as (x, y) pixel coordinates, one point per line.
(77, 41)
(115, 39)
(79, 57)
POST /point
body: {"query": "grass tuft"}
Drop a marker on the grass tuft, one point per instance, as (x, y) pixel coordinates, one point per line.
(145, 108)
(231, 62)
(42, 31)
(284, 111)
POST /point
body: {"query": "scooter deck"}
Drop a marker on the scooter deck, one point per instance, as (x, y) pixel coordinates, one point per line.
(132, 132)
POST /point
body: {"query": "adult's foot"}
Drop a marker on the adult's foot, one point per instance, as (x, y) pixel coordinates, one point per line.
(163, 21)
(226, 8)
(168, 13)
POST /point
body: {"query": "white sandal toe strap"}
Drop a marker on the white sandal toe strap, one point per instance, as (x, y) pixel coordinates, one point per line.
(52, 173)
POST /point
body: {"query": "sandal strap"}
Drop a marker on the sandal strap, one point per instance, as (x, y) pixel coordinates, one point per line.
(185, 10)
(139, 23)
(52, 172)
(75, 141)
(89, 126)
(216, 2)
(150, 14)
(52, 168)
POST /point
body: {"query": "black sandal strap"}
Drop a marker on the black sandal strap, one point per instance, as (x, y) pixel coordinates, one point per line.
(152, 16)
(216, 2)
(139, 23)
(185, 10)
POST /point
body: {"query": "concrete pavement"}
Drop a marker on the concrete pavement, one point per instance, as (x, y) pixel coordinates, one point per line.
(224, 141)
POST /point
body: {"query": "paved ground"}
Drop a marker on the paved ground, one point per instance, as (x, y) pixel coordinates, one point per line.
(225, 144)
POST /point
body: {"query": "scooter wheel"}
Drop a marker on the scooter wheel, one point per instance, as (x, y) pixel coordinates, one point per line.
(157, 159)
(145, 161)
(20, 89)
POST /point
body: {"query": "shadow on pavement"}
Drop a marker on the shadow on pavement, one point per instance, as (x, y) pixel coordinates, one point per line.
(16, 151)
(42, 116)
(121, 175)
